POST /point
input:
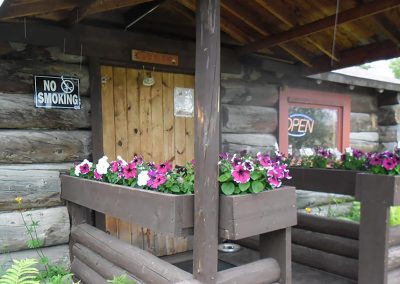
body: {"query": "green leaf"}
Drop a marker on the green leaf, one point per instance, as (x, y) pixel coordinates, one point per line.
(255, 175)
(175, 188)
(257, 186)
(224, 177)
(228, 188)
(244, 186)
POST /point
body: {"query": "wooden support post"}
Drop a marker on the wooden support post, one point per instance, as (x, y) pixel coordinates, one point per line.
(97, 124)
(277, 244)
(374, 194)
(207, 94)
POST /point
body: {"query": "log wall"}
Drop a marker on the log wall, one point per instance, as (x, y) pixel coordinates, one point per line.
(36, 145)
(249, 103)
(389, 120)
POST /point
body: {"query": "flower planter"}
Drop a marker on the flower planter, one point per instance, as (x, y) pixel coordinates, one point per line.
(161, 212)
(247, 215)
(323, 180)
(240, 216)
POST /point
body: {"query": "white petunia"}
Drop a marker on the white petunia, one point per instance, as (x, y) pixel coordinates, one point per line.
(103, 165)
(306, 152)
(123, 162)
(143, 178)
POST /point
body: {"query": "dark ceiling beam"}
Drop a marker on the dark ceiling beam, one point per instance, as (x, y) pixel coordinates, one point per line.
(387, 28)
(349, 15)
(37, 8)
(80, 12)
(355, 56)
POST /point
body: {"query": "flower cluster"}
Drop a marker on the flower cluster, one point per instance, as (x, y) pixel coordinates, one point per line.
(137, 173)
(387, 162)
(243, 173)
(239, 174)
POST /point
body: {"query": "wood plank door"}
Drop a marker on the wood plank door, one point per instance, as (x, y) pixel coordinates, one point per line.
(140, 120)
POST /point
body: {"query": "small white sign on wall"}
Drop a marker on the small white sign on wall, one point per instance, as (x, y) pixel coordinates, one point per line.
(183, 102)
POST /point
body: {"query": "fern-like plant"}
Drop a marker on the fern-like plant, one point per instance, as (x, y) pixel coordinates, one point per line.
(21, 272)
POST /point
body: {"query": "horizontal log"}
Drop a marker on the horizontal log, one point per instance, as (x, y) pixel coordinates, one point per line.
(56, 255)
(389, 133)
(394, 258)
(240, 92)
(306, 198)
(390, 98)
(53, 228)
(99, 264)
(262, 271)
(236, 148)
(394, 236)
(393, 276)
(16, 50)
(364, 103)
(365, 145)
(86, 274)
(28, 146)
(332, 210)
(389, 115)
(16, 76)
(329, 226)
(140, 263)
(360, 122)
(325, 242)
(332, 263)
(260, 140)
(38, 188)
(364, 136)
(38, 185)
(248, 119)
(17, 111)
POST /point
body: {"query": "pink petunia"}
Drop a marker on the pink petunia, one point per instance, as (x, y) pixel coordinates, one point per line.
(114, 166)
(155, 179)
(97, 175)
(375, 160)
(129, 171)
(265, 160)
(389, 164)
(85, 168)
(240, 174)
(164, 168)
(274, 182)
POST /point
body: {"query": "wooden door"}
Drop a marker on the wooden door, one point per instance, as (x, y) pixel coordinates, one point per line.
(140, 120)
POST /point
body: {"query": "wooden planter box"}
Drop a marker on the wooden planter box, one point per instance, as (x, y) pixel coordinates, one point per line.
(240, 216)
(323, 180)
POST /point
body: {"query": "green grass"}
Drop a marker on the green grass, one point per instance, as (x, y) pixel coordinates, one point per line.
(355, 214)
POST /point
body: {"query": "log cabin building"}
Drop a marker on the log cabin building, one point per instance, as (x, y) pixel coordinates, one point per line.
(276, 58)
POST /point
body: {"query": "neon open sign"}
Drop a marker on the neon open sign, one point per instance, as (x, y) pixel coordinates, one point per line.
(300, 124)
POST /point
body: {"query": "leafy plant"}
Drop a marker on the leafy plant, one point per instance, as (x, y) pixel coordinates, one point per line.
(21, 272)
(121, 279)
(239, 174)
(55, 274)
(394, 65)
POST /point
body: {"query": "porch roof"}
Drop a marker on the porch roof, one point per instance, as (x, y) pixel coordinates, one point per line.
(296, 31)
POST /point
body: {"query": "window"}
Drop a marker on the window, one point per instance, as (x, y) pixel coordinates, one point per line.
(313, 118)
